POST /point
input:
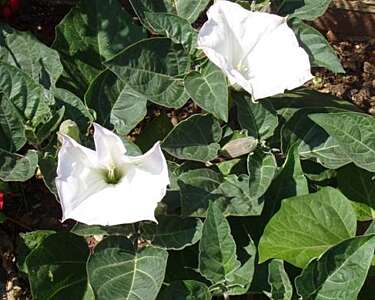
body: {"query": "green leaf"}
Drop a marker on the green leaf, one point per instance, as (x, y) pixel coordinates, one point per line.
(209, 90)
(200, 146)
(197, 187)
(304, 9)
(320, 52)
(185, 290)
(355, 134)
(117, 271)
(235, 199)
(57, 267)
(28, 242)
(340, 272)
(92, 32)
(15, 167)
(48, 166)
(75, 109)
(189, 10)
(129, 109)
(12, 131)
(313, 142)
(172, 232)
(154, 67)
(260, 119)
(90, 230)
(217, 249)
(261, 167)
(358, 185)
(24, 51)
(281, 288)
(25, 94)
(177, 29)
(306, 226)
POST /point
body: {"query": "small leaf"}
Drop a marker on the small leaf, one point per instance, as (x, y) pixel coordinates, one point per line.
(200, 146)
(57, 267)
(261, 167)
(320, 52)
(15, 167)
(340, 272)
(185, 290)
(48, 165)
(306, 226)
(116, 270)
(173, 232)
(260, 119)
(152, 67)
(281, 288)
(217, 249)
(354, 132)
(209, 90)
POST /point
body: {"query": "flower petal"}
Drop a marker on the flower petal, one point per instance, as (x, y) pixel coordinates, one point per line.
(257, 51)
(271, 72)
(109, 147)
(77, 175)
(134, 198)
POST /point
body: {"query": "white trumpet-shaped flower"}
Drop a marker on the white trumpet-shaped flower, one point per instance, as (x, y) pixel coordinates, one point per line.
(256, 50)
(107, 187)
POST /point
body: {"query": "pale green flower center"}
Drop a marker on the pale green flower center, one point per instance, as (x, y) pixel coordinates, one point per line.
(112, 175)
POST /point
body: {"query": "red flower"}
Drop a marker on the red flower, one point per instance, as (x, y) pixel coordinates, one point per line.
(1, 200)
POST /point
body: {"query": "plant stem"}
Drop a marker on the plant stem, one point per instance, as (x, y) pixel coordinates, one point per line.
(226, 296)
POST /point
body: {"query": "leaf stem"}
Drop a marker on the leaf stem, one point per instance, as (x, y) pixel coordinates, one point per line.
(226, 296)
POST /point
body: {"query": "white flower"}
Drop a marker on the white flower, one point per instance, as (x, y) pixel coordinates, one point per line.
(107, 187)
(256, 50)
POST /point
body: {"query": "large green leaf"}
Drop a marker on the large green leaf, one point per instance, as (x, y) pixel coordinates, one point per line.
(320, 52)
(173, 232)
(217, 249)
(261, 167)
(303, 9)
(12, 131)
(189, 10)
(154, 67)
(306, 226)
(129, 109)
(57, 267)
(260, 119)
(340, 272)
(208, 88)
(92, 32)
(195, 138)
(24, 51)
(15, 167)
(281, 288)
(355, 133)
(117, 271)
(313, 142)
(25, 94)
(185, 290)
(177, 29)
(358, 185)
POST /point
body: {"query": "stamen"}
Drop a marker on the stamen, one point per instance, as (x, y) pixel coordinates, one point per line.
(113, 175)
